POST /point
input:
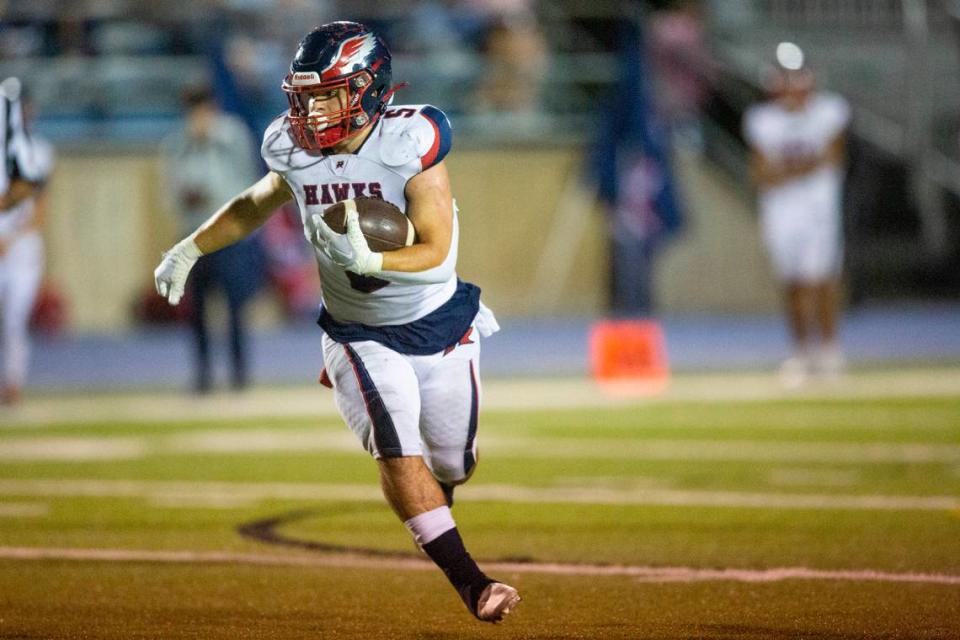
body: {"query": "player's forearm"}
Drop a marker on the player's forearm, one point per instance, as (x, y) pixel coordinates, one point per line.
(418, 257)
(434, 275)
(243, 214)
(222, 228)
(233, 222)
(769, 174)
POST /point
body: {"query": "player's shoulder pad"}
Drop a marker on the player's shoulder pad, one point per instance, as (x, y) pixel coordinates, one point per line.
(412, 132)
(278, 146)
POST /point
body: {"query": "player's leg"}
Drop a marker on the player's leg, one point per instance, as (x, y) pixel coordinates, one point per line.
(826, 297)
(450, 402)
(826, 256)
(796, 368)
(24, 270)
(785, 239)
(6, 391)
(798, 302)
(199, 286)
(236, 304)
(830, 360)
(377, 393)
(450, 394)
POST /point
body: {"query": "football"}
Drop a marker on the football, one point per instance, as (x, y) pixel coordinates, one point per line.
(383, 225)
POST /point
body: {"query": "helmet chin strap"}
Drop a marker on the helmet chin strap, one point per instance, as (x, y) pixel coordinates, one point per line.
(388, 94)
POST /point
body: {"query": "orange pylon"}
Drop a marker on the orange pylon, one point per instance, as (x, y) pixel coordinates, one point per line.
(625, 352)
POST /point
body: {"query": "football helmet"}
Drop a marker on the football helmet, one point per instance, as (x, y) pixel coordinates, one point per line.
(788, 72)
(337, 56)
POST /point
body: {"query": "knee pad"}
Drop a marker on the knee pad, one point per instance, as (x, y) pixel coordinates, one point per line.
(448, 466)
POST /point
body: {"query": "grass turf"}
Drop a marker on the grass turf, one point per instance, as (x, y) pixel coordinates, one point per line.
(585, 450)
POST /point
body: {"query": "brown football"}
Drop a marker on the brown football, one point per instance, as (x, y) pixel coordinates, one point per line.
(384, 226)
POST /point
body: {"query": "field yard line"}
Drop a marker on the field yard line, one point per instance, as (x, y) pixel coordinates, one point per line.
(645, 574)
(24, 510)
(166, 491)
(73, 449)
(239, 441)
(513, 394)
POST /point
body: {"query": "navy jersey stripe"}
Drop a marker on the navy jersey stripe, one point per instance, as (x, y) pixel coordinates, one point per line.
(468, 460)
(444, 136)
(428, 335)
(384, 432)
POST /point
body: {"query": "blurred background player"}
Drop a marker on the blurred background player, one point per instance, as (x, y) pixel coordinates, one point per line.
(402, 342)
(29, 162)
(205, 163)
(797, 146)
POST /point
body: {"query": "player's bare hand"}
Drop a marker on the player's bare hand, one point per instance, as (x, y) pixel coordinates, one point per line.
(348, 250)
(170, 277)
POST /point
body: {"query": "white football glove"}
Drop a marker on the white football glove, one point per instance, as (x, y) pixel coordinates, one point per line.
(171, 276)
(348, 250)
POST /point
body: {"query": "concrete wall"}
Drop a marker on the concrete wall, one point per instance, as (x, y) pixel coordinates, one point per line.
(106, 230)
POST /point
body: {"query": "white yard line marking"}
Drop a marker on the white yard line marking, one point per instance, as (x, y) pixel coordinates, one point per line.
(224, 492)
(793, 477)
(645, 574)
(730, 450)
(24, 510)
(524, 394)
(72, 449)
(240, 441)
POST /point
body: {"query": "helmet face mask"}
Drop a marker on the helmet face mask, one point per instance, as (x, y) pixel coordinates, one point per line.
(347, 67)
(319, 130)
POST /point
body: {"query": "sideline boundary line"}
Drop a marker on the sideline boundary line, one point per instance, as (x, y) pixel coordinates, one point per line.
(642, 573)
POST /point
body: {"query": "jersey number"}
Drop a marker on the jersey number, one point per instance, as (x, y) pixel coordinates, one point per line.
(400, 113)
(365, 284)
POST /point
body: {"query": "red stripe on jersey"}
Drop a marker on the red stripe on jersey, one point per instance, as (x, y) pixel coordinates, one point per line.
(431, 155)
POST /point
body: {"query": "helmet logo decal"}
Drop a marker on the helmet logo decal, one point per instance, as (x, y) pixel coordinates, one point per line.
(352, 53)
(305, 78)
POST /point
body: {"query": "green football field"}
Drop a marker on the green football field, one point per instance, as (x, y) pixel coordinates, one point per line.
(723, 508)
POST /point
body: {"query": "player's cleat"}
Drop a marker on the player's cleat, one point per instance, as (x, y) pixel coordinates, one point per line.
(794, 372)
(830, 362)
(496, 601)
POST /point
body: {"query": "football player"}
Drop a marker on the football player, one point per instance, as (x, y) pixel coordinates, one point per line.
(797, 146)
(401, 345)
(28, 160)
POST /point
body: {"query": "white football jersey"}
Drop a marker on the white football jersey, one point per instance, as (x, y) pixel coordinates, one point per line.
(39, 154)
(405, 141)
(18, 158)
(781, 134)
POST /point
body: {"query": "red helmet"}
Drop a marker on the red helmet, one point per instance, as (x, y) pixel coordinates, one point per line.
(339, 55)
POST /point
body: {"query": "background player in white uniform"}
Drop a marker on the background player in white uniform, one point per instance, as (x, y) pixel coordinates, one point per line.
(797, 144)
(402, 331)
(29, 161)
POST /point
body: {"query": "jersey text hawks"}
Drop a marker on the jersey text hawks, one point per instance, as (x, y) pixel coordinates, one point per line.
(338, 192)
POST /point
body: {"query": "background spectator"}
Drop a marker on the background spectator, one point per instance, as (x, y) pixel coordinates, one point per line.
(205, 163)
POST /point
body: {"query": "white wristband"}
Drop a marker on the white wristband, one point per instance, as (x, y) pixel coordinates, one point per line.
(189, 248)
(374, 263)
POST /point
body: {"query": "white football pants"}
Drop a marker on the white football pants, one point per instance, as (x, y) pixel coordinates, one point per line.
(804, 246)
(400, 405)
(21, 269)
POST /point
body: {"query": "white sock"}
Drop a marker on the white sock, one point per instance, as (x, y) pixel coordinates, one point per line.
(430, 525)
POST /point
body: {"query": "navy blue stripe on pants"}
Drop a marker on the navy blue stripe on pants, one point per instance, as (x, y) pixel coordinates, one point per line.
(384, 432)
(468, 460)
